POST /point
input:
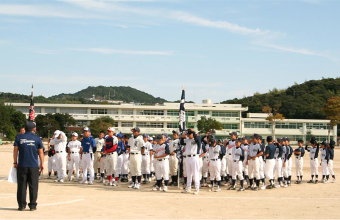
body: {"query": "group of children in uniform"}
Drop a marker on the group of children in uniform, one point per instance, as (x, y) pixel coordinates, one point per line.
(113, 158)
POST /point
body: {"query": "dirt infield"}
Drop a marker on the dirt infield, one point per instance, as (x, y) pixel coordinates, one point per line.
(75, 201)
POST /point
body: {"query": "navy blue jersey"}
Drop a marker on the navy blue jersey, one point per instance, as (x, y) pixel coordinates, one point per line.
(270, 151)
(88, 144)
(28, 145)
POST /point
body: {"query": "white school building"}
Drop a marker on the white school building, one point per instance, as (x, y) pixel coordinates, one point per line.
(163, 118)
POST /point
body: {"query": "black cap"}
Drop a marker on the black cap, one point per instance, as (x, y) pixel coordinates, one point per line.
(300, 141)
(158, 137)
(332, 143)
(135, 129)
(174, 132)
(256, 136)
(190, 131)
(233, 133)
(269, 139)
(30, 125)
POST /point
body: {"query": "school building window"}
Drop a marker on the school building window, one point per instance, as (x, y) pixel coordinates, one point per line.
(127, 124)
(172, 112)
(320, 126)
(288, 125)
(151, 112)
(257, 125)
(225, 114)
(230, 126)
(190, 113)
(73, 110)
(172, 125)
(112, 112)
(150, 125)
(99, 111)
(127, 112)
(203, 112)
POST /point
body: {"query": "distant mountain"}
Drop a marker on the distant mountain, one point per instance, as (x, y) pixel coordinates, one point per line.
(304, 100)
(101, 94)
(121, 93)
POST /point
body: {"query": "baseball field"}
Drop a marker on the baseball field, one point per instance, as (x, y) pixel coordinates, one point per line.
(71, 200)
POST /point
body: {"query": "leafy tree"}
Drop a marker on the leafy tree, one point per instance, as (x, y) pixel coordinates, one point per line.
(101, 124)
(205, 124)
(10, 121)
(332, 110)
(47, 124)
(273, 117)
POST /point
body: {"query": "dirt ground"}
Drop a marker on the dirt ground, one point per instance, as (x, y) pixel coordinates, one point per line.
(75, 201)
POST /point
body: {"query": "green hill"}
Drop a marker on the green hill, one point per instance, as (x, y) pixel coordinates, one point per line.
(304, 100)
(121, 93)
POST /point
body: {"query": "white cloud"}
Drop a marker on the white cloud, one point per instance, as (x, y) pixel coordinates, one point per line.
(235, 28)
(38, 11)
(123, 52)
(297, 50)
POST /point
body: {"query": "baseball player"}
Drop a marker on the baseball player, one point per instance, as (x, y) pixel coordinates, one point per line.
(59, 142)
(245, 148)
(324, 161)
(270, 151)
(173, 160)
(88, 146)
(314, 162)
(121, 150)
(299, 153)
(110, 150)
(230, 161)
(238, 157)
(278, 163)
(253, 162)
(224, 162)
(289, 162)
(161, 156)
(261, 160)
(73, 156)
(192, 148)
(205, 160)
(135, 148)
(98, 155)
(331, 158)
(146, 159)
(215, 154)
(51, 160)
(285, 153)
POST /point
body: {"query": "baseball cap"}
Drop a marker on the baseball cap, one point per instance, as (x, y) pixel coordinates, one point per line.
(120, 135)
(174, 132)
(256, 136)
(233, 133)
(30, 125)
(269, 138)
(158, 137)
(86, 129)
(150, 139)
(111, 129)
(190, 131)
(57, 133)
(75, 134)
(145, 135)
(135, 129)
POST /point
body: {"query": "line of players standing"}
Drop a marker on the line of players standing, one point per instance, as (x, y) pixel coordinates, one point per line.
(113, 157)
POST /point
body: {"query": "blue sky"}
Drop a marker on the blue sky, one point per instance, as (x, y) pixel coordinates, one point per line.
(217, 49)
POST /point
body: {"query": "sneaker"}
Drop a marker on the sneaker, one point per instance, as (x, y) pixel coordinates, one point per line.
(165, 188)
(84, 182)
(263, 187)
(232, 188)
(155, 188)
(90, 182)
(196, 192)
(277, 186)
(21, 209)
(132, 185)
(137, 186)
(61, 181)
(186, 191)
(285, 185)
(310, 181)
(33, 209)
(297, 182)
(256, 188)
(316, 181)
(241, 189)
(56, 181)
(333, 180)
(114, 183)
(217, 189)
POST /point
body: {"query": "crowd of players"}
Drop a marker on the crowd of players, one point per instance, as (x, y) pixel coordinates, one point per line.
(187, 158)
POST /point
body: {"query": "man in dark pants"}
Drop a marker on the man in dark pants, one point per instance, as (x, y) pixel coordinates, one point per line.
(28, 146)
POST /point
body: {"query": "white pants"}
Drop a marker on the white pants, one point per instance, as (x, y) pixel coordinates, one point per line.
(119, 164)
(229, 165)
(162, 169)
(152, 167)
(51, 164)
(135, 164)
(245, 167)
(215, 169)
(254, 168)
(314, 166)
(125, 166)
(146, 164)
(192, 169)
(290, 166)
(96, 161)
(102, 163)
(331, 168)
(285, 169)
(269, 168)
(237, 170)
(111, 163)
(261, 167)
(60, 160)
(224, 166)
(173, 162)
(299, 166)
(278, 167)
(74, 164)
(205, 168)
(200, 160)
(324, 165)
(184, 167)
(87, 163)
